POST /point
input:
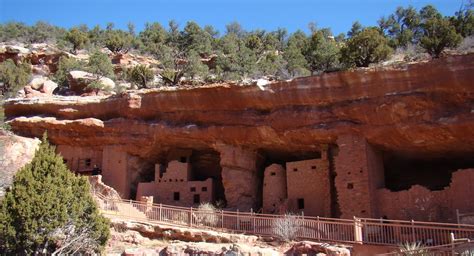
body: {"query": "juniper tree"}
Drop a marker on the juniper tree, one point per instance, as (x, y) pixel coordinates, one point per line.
(438, 34)
(13, 77)
(366, 47)
(48, 205)
(77, 38)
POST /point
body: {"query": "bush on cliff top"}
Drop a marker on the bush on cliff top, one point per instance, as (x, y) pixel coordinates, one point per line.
(48, 208)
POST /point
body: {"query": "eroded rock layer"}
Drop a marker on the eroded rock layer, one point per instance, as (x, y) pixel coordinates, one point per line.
(422, 107)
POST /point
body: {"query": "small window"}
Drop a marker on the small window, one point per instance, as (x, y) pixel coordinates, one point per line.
(181, 180)
(313, 167)
(176, 196)
(204, 189)
(300, 203)
(88, 162)
(182, 159)
(170, 180)
(295, 169)
(197, 199)
(272, 174)
(350, 185)
(193, 189)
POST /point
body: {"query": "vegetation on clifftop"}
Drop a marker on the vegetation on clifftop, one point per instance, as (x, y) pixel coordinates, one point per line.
(196, 54)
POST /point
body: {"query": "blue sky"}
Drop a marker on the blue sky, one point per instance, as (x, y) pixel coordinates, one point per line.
(263, 14)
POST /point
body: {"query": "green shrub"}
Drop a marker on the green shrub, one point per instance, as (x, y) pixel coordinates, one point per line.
(139, 75)
(48, 208)
(366, 47)
(13, 77)
(100, 65)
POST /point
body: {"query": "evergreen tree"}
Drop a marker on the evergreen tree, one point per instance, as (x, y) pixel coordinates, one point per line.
(438, 34)
(402, 27)
(118, 41)
(77, 38)
(296, 62)
(153, 37)
(355, 29)
(197, 40)
(100, 65)
(194, 68)
(368, 46)
(66, 65)
(463, 20)
(13, 77)
(48, 205)
(322, 53)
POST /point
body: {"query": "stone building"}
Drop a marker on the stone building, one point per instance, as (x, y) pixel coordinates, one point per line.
(175, 185)
(274, 189)
(302, 188)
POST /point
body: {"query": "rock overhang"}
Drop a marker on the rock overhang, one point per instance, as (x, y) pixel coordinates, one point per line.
(423, 108)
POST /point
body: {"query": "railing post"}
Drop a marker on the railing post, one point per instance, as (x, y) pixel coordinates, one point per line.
(357, 231)
(413, 231)
(238, 220)
(160, 210)
(222, 218)
(458, 217)
(191, 217)
(253, 220)
(318, 228)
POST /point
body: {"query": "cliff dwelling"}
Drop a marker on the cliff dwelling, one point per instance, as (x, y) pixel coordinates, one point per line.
(358, 143)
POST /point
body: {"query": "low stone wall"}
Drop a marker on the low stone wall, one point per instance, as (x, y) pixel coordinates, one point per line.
(419, 203)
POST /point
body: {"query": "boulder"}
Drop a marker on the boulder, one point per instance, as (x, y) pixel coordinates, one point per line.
(38, 87)
(79, 80)
(15, 152)
(48, 87)
(37, 82)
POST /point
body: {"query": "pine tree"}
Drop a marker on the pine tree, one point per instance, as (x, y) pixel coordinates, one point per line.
(48, 205)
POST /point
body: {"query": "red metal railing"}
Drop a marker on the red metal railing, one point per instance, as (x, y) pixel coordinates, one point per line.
(357, 230)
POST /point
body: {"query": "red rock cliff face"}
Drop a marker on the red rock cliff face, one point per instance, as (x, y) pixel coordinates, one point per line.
(424, 107)
(421, 110)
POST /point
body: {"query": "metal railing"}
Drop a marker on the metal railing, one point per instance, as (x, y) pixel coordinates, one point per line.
(357, 230)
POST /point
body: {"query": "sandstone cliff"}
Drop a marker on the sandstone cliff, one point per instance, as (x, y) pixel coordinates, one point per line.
(422, 108)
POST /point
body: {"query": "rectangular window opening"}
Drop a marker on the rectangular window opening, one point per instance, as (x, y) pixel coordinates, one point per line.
(300, 203)
(176, 196)
(197, 199)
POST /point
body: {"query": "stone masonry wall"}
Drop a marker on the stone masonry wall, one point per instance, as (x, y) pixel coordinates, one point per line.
(114, 170)
(80, 159)
(165, 192)
(308, 187)
(359, 173)
(419, 203)
(274, 188)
